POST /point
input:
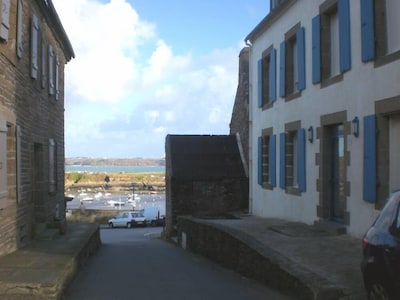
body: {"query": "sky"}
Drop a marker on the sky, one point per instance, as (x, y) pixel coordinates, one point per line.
(148, 68)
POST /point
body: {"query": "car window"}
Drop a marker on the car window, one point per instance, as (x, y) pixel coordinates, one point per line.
(388, 213)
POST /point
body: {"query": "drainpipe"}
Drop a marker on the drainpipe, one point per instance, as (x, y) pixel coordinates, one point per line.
(250, 161)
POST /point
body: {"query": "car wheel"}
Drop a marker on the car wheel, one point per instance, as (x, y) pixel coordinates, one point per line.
(111, 225)
(129, 225)
(378, 291)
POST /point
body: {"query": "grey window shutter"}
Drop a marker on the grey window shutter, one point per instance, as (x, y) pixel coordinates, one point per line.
(44, 63)
(3, 162)
(57, 78)
(51, 59)
(34, 46)
(20, 28)
(5, 19)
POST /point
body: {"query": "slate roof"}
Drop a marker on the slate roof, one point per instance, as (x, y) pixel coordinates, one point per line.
(203, 157)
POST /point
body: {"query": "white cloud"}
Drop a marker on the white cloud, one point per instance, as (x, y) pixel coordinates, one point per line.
(119, 94)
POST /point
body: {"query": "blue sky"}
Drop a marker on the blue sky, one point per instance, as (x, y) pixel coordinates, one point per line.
(148, 68)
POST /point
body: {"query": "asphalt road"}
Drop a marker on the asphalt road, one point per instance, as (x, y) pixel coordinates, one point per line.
(136, 264)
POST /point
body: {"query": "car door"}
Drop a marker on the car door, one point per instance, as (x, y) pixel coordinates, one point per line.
(119, 220)
(392, 247)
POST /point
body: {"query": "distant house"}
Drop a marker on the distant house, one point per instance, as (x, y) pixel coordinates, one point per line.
(33, 51)
(205, 176)
(325, 111)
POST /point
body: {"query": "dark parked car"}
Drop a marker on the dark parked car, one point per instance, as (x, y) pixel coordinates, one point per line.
(381, 253)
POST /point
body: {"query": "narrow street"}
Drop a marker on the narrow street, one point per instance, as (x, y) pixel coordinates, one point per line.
(135, 264)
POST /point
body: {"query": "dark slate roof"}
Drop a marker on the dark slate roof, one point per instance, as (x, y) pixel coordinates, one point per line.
(54, 22)
(203, 157)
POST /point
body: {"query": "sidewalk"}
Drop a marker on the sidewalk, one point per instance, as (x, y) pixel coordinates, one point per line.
(303, 260)
(42, 270)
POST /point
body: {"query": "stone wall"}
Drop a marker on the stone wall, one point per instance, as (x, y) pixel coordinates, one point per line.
(240, 113)
(241, 253)
(32, 106)
(204, 176)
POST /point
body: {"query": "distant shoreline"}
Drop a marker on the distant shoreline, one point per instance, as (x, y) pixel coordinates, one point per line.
(113, 169)
(139, 162)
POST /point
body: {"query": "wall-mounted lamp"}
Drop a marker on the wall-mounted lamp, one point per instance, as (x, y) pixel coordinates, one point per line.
(310, 134)
(355, 127)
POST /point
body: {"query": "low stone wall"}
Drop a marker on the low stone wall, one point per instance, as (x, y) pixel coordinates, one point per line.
(241, 253)
(100, 216)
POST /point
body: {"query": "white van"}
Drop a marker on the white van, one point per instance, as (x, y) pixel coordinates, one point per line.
(154, 215)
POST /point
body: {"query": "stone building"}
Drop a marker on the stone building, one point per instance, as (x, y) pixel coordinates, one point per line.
(240, 114)
(325, 111)
(34, 49)
(205, 177)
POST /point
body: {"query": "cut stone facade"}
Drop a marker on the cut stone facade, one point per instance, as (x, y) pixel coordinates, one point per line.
(33, 51)
(240, 114)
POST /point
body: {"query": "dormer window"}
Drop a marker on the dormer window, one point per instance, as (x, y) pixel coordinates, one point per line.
(275, 3)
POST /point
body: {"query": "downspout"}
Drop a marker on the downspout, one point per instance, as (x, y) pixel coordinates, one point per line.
(250, 162)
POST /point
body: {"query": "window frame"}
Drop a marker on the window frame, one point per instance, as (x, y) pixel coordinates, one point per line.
(292, 63)
(292, 159)
(321, 42)
(266, 69)
(267, 159)
(374, 32)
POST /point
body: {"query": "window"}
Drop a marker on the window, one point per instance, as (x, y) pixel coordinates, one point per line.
(4, 19)
(379, 29)
(267, 159)
(267, 78)
(292, 159)
(331, 48)
(292, 62)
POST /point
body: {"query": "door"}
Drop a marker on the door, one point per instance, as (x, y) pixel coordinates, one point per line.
(394, 153)
(338, 176)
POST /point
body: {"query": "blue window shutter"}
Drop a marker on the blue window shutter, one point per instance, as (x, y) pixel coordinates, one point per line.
(344, 35)
(282, 70)
(282, 160)
(301, 58)
(301, 156)
(316, 49)
(367, 30)
(369, 172)
(272, 76)
(272, 159)
(260, 82)
(260, 146)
